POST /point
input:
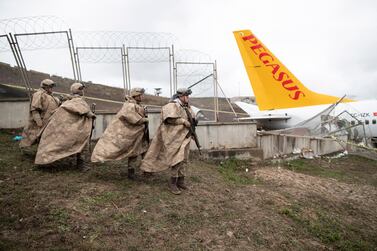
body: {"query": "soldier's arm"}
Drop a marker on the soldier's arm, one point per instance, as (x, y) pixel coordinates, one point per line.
(37, 117)
(177, 121)
(36, 102)
(132, 117)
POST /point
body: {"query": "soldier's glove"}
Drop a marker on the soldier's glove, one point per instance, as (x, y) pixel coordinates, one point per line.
(142, 121)
(37, 118)
(91, 115)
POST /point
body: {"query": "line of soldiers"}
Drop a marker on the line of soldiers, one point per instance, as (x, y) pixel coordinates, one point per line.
(64, 129)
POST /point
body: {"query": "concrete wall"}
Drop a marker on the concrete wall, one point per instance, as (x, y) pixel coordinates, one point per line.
(226, 135)
(211, 135)
(277, 145)
(13, 114)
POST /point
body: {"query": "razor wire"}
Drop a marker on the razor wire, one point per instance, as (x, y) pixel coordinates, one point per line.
(118, 38)
(35, 24)
(50, 32)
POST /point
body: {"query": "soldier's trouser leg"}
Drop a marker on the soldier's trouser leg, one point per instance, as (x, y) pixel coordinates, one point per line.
(177, 174)
(132, 165)
(82, 159)
(178, 170)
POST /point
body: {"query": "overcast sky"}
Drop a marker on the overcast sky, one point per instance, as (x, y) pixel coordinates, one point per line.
(329, 45)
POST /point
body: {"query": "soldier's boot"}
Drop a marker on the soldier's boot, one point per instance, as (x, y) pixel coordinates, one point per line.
(131, 174)
(81, 165)
(173, 186)
(181, 183)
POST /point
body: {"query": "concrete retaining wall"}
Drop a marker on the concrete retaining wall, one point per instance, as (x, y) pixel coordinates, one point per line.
(13, 114)
(277, 145)
(211, 135)
(234, 136)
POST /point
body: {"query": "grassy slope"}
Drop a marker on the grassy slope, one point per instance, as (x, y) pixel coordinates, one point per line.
(226, 208)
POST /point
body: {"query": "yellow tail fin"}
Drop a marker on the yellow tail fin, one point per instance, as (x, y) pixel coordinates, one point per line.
(274, 86)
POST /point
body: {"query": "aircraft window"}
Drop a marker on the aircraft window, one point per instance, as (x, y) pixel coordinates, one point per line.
(373, 121)
(367, 122)
(353, 122)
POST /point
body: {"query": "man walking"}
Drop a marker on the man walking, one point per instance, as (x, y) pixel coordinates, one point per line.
(126, 135)
(68, 131)
(42, 106)
(170, 146)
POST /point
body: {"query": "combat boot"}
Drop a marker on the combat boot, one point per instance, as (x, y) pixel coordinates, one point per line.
(181, 183)
(173, 186)
(81, 165)
(131, 174)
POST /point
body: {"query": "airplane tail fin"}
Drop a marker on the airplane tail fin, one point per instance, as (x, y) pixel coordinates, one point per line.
(274, 86)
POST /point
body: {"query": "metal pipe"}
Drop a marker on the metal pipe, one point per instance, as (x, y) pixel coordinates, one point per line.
(79, 66)
(15, 55)
(174, 84)
(149, 48)
(200, 81)
(128, 70)
(214, 93)
(194, 63)
(22, 62)
(216, 90)
(98, 47)
(123, 70)
(230, 104)
(170, 72)
(40, 33)
(70, 45)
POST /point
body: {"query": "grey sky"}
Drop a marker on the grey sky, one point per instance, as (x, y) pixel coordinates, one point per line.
(328, 45)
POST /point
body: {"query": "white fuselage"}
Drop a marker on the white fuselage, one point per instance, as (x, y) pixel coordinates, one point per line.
(365, 111)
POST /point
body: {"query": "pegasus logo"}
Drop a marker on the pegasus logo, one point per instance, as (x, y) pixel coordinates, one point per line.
(269, 61)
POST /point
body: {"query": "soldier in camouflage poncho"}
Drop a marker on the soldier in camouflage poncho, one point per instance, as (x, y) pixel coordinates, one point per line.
(42, 106)
(68, 131)
(170, 146)
(125, 136)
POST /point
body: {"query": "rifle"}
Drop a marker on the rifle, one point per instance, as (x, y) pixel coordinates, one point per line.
(146, 129)
(193, 124)
(93, 109)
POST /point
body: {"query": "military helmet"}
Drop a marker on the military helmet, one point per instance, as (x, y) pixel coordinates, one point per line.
(183, 92)
(76, 87)
(47, 83)
(137, 91)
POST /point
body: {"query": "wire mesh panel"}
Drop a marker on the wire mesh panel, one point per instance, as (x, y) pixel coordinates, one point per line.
(4, 45)
(93, 55)
(198, 77)
(152, 66)
(5, 49)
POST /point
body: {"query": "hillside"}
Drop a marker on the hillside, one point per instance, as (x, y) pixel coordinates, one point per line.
(10, 75)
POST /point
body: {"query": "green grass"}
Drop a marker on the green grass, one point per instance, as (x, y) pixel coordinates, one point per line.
(327, 228)
(234, 171)
(60, 217)
(311, 168)
(349, 169)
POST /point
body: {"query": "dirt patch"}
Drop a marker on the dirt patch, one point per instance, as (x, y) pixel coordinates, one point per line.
(234, 205)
